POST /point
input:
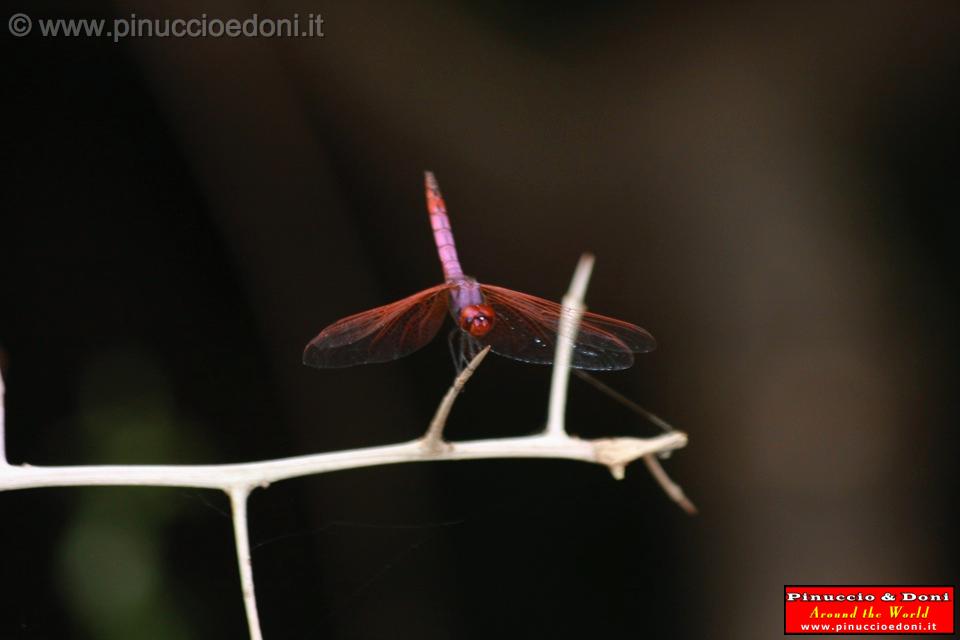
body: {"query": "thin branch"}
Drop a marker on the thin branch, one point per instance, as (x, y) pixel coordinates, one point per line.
(238, 505)
(262, 474)
(433, 440)
(573, 308)
(237, 480)
(671, 488)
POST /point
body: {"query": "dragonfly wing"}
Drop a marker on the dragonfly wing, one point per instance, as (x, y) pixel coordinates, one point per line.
(382, 334)
(526, 329)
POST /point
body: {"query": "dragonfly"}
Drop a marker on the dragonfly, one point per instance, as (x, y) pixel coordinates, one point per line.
(513, 324)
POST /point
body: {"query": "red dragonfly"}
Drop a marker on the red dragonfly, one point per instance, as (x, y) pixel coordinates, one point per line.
(515, 325)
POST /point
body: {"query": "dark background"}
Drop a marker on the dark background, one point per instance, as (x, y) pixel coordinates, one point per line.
(768, 187)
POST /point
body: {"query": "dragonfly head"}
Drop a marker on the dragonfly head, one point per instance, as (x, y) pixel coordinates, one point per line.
(477, 319)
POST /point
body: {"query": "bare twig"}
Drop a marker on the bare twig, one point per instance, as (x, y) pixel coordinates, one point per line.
(238, 505)
(433, 440)
(238, 480)
(618, 452)
(261, 474)
(573, 308)
(672, 489)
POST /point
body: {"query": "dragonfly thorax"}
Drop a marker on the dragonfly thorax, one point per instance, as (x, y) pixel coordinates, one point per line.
(477, 319)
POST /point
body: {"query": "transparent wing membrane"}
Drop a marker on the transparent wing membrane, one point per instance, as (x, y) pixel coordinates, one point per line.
(382, 334)
(526, 329)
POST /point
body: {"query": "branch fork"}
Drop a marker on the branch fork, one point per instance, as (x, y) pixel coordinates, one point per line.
(238, 480)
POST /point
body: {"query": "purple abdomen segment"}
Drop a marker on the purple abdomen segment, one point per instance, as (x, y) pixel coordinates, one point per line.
(442, 233)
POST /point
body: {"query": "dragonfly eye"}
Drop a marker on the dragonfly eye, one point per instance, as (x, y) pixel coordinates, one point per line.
(477, 319)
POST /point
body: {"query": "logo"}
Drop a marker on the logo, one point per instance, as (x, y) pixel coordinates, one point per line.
(863, 609)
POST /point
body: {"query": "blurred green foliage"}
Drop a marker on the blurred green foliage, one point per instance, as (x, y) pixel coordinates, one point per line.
(112, 567)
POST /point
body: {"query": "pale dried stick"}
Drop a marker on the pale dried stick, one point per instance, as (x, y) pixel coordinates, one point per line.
(433, 439)
(573, 308)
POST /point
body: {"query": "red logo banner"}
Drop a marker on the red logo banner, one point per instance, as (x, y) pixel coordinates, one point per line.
(861, 609)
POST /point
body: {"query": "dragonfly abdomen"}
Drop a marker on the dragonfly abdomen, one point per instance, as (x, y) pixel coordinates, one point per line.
(442, 232)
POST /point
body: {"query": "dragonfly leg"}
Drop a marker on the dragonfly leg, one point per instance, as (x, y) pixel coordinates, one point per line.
(463, 349)
(471, 347)
(456, 352)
